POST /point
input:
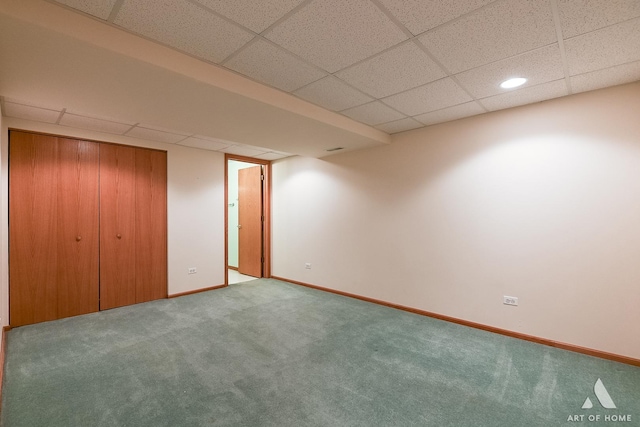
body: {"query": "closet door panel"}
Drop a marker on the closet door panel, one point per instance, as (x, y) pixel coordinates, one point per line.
(78, 228)
(151, 225)
(32, 228)
(117, 226)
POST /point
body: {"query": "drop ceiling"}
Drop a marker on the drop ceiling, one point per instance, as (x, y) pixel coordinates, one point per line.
(390, 65)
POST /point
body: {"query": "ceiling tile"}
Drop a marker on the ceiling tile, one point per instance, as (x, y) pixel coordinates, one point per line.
(430, 97)
(399, 125)
(451, 113)
(498, 31)
(537, 66)
(204, 143)
(184, 26)
(100, 125)
(98, 8)
(255, 15)
(276, 67)
(145, 132)
(401, 68)
(615, 45)
(527, 95)
(333, 94)
(373, 113)
(28, 112)
(334, 34)
(420, 15)
(580, 16)
(618, 75)
(271, 155)
(37, 104)
(244, 150)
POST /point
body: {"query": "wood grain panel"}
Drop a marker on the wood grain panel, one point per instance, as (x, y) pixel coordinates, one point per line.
(250, 221)
(33, 186)
(151, 225)
(117, 226)
(78, 228)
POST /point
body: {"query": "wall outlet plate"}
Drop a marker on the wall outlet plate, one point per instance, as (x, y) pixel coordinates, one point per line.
(192, 270)
(510, 300)
(307, 265)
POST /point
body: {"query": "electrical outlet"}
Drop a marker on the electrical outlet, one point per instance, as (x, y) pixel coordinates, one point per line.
(510, 300)
(307, 265)
(192, 270)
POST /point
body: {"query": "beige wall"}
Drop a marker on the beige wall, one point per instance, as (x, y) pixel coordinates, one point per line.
(195, 198)
(540, 202)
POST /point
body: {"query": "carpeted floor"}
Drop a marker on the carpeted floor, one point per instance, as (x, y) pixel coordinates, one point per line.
(268, 353)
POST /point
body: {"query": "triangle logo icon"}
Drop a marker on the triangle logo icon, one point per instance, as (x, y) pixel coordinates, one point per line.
(603, 397)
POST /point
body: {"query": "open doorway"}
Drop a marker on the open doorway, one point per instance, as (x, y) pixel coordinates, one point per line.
(247, 218)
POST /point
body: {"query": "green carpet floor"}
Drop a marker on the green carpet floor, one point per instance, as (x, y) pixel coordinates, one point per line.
(268, 353)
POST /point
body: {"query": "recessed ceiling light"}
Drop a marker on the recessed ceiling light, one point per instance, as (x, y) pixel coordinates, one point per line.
(514, 82)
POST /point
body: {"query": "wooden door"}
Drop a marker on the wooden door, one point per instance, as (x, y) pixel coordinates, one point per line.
(250, 221)
(78, 232)
(151, 225)
(53, 237)
(117, 226)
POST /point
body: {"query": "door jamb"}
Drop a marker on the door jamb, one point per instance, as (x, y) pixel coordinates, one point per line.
(266, 212)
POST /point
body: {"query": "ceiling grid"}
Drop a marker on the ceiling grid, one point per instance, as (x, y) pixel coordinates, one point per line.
(395, 65)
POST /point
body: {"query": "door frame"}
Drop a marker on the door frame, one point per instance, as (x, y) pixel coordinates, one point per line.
(266, 211)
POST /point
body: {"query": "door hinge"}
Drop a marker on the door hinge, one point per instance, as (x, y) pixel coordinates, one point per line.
(261, 177)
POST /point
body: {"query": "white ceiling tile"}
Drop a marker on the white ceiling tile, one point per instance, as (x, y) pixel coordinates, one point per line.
(204, 143)
(615, 45)
(451, 113)
(498, 31)
(396, 70)
(271, 155)
(97, 8)
(83, 122)
(184, 26)
(108, 119)
(373, 113)
(37, 104)
(527, 95)
(618, 75)
(29, 112)
(333, 94)
(399, 125)
(334, 34)
(144, 132)
(580, 16)
(537, 66)
(255, 15)
(244, 150)
(430, 97)
(274, 66)
(420, 15)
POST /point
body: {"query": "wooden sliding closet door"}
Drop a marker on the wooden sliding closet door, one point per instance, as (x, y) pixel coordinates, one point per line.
(151, 225)
(117, 226)
(133, 225)
(53, 235)
(78, 233)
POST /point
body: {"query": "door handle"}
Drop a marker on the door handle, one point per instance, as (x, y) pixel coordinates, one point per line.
(119, 236)
(78, 238)
(239, 226)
